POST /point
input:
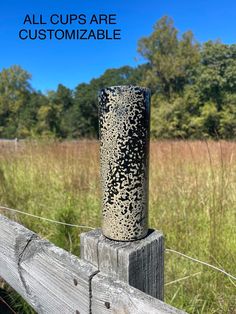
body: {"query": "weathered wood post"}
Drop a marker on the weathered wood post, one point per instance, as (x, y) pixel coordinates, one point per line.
(125, 248)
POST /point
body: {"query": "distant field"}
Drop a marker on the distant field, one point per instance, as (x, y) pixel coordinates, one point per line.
(192, 200)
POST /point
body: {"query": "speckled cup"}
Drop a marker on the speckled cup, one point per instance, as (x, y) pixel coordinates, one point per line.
(124, 118)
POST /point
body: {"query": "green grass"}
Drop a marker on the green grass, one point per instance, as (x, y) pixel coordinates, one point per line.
(192, 200)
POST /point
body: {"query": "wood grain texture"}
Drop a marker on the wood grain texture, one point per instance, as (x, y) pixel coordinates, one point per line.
(139, 263)
(53, 281)
(113, 296)
(50, 279)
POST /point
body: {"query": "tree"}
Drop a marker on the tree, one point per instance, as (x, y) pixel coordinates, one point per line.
(172, 60)
(61, 102)
(193, 87)
(193, 92)
(217, 71)
(227, 124)
(84, 115)
(14, 94)
(215, 83)
(27, 124)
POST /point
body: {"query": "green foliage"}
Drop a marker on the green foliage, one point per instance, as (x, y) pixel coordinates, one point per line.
(193, 87)
(85, 111)
(14, 95)
(227, 124)
(193, 92)
(172, 60)
(217, 71)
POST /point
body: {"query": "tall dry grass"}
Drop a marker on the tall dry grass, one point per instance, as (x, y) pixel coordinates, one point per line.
(192, 200)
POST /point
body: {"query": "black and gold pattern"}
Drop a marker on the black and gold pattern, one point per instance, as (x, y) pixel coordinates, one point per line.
(124, 134)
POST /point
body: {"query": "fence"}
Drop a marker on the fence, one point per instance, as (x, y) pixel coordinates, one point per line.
(9, 143)
(121, 269)
(52, 280)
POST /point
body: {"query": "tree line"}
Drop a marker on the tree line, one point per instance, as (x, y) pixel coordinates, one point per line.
(193, 89)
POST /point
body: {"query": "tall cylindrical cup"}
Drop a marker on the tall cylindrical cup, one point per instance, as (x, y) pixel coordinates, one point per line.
(124, 118)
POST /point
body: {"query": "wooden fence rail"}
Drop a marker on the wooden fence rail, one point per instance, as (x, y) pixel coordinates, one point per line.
(52, 280)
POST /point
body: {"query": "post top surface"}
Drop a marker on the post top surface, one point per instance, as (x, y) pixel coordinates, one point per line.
(98, 237)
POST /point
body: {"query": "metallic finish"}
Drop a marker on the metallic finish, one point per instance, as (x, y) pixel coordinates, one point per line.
(124, 116)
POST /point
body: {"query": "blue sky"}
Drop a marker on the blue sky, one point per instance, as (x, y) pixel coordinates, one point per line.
(73, 62)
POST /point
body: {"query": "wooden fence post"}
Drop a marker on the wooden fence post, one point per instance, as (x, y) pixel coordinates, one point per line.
(139, 263)
(124, 133)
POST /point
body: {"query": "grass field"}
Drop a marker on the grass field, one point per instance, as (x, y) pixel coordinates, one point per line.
(192, 200)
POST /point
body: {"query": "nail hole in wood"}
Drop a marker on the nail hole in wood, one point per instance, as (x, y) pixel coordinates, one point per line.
(107, 305)
(77, 312)
(75, 282)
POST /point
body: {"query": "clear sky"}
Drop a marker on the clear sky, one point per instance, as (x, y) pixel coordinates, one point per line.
(71, 62)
